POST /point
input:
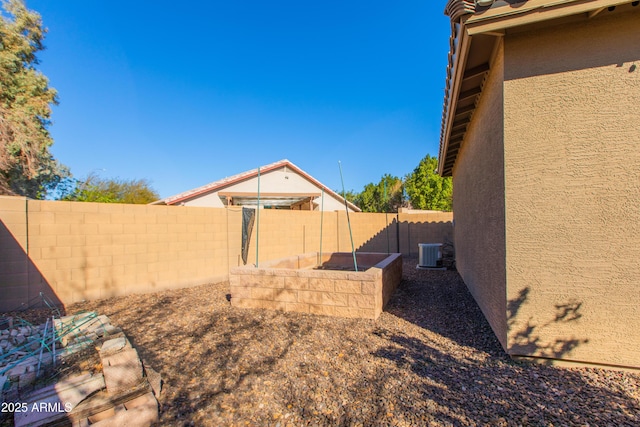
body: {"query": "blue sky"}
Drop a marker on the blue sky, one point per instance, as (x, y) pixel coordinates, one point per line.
(185, 93)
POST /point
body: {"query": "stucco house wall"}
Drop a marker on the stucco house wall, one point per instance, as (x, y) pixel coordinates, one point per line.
(281, 185)
(478, 205)
(572, 172)
(280, 181)
(209, 200)
(546, 170)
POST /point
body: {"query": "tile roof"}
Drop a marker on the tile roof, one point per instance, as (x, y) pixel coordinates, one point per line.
(470, 26)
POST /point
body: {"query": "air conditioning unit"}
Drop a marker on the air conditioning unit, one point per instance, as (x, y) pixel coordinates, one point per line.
(429, 255)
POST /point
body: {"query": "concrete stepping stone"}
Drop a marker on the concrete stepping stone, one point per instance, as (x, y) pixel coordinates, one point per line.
(113, 346)
(122, 370)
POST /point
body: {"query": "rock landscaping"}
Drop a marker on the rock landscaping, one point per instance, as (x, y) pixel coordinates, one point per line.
(429, 359)
(118, 391)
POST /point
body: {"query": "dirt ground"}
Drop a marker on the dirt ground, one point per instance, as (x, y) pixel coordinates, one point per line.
(430, 359)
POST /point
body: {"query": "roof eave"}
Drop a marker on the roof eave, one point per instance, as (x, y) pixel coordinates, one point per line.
(212, 187)
(458, 68)
(495, 21)
(531, 12)
(208, 188)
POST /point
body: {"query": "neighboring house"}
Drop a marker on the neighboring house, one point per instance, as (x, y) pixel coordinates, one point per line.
(283, 185)
(541, 133)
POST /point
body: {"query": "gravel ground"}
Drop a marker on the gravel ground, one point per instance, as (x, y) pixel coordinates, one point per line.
(430, 359)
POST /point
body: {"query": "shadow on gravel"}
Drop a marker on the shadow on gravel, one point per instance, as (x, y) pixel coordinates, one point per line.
(440, 302)
(219, 350)
(412, 367)
(224, 352)
(498, 391)
(229, 358)
(484, 385)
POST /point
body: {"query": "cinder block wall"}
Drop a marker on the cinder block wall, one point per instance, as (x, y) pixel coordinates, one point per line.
(73, 251)
(14, 262)
(77, 251)
(286, 233)
(286, 285)
(412, 230)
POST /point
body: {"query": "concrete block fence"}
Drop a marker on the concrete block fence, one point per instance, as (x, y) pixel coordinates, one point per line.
(73, 251)
(290, 284)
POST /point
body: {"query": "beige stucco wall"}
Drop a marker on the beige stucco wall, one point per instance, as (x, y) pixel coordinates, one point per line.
(478, 204)
(206, 200)
(572, 172)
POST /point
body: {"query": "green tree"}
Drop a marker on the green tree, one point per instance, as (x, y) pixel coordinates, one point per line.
(428, 190)
(350, 195)
(26, 165)
(385, 196)
(96, 189)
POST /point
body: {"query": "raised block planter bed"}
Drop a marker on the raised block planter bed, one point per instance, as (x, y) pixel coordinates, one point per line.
(325, 285)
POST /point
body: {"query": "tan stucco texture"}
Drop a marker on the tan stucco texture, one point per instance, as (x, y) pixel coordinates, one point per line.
(478, 205)
(572, 190)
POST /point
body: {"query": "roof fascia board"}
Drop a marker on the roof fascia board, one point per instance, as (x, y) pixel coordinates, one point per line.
(272, 195)
(494, 22)
(250, 174)
(464, 43)
(211, 187)
(532, 12)
(593, 13)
